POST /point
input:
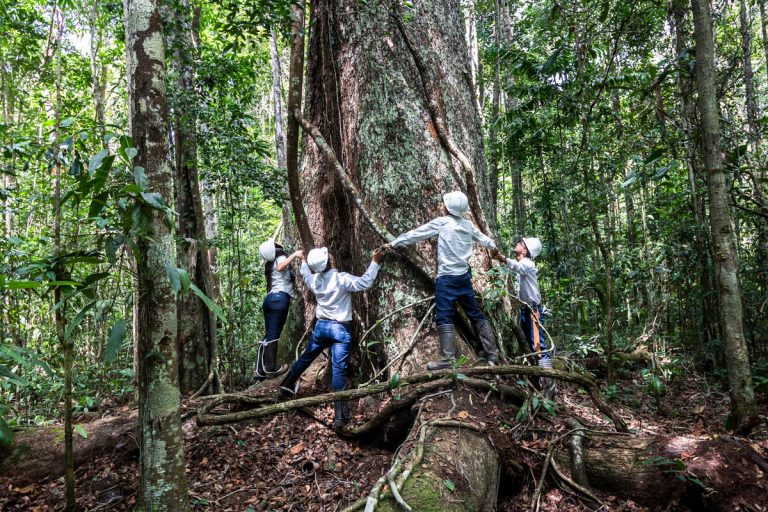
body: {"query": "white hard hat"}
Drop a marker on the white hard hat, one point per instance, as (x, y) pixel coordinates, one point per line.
(267, 250)
(317, 259)
(456, 203)
(534, 246)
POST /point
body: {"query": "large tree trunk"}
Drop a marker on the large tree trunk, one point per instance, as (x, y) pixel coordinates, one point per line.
(163, 481)
(737, 358)
(370, 100)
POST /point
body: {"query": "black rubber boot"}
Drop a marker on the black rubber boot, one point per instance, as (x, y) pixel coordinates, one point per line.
(341, 414)
(488, 340)
(269, 360)
(287, 387)
(258, 369)
(447, 335)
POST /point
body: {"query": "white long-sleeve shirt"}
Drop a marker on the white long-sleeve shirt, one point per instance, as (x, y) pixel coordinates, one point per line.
(454, 242)
(333, 290)
(528, 278)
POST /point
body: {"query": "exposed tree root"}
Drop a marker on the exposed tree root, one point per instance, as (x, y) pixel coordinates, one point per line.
(205, 416)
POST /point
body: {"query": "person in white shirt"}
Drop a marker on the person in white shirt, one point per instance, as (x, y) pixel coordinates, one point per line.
(333, 293)
(523, 265)
(455, 236)
(274, 306)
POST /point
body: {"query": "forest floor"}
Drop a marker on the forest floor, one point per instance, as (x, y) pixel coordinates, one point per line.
(295, 462)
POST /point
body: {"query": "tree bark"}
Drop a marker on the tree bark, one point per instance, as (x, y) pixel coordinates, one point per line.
(737, 357)
(163, 480)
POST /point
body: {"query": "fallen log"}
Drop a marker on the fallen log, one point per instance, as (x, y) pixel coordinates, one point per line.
(692, 472)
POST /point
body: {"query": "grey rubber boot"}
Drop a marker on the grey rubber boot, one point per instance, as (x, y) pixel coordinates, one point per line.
(488, 340)
(447, 334)
(546, 384)
(287, 387)
(341, 415)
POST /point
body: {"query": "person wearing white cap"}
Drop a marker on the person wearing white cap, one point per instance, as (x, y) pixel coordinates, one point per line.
(455, 236)
(274, 306)
(523, 265)
(333, 294)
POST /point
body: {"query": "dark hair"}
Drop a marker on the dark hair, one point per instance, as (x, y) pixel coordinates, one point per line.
(270, 265)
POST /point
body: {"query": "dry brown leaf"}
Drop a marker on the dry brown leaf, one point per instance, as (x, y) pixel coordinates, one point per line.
(296, 449)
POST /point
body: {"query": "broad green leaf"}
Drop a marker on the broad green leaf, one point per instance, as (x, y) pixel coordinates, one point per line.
(140, 177)
(12, 377)
(174, 277)
(78, 320)
(114, 342)
(208, 302)
(450, 485)
(21, 285)
(185, 280)
(80, 430)
(96, 160)
(154, 200)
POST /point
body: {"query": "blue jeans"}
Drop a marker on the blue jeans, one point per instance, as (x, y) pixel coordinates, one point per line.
(452, 289)
(275, 308)
(333, 334)
(532, 331)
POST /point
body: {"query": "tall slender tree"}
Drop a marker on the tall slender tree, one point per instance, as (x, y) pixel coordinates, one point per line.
(163, 480)
(737, 357)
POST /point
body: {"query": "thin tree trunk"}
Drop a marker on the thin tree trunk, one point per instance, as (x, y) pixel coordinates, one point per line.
(749, 82)
(493, 131)
(737, 357)
(710, 321)
(277, 98)
(163, 480)
(296, 80)
(97, 71)
(67, 344)
(764, 30)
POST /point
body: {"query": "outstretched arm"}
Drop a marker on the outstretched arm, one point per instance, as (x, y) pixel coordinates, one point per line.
(481, 238)
(365, 281)
(287, 261)
(423, 232)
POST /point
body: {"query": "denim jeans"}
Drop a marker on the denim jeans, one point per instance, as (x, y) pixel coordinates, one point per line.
(333, 334)
(275, 308)
(531, 329)
(452, 289)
